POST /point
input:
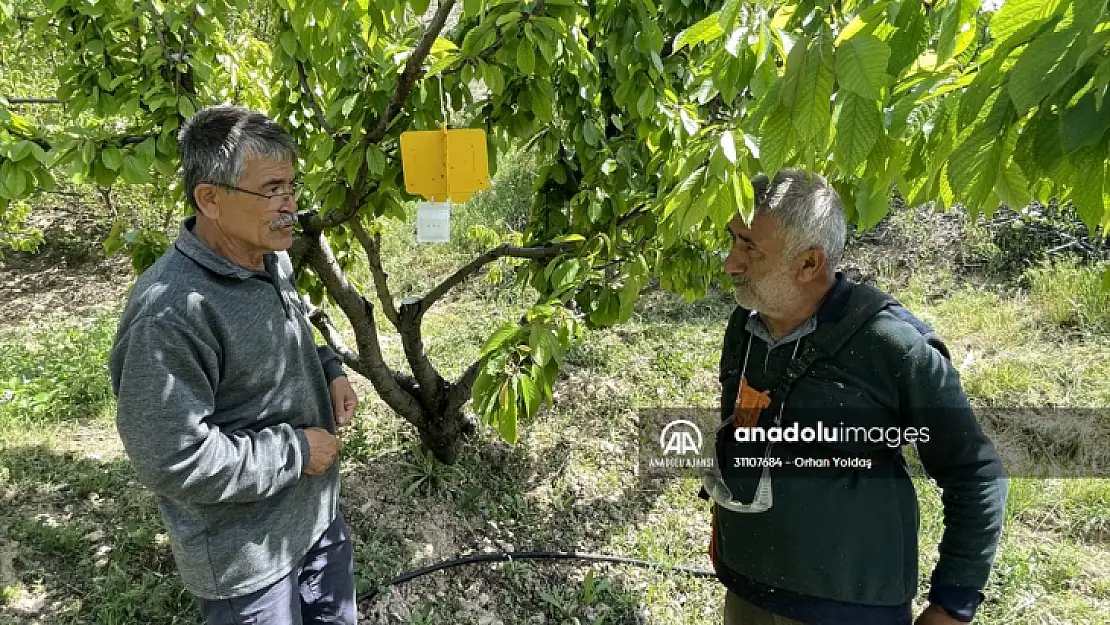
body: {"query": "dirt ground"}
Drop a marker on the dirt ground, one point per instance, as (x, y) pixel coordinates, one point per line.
(68, 276)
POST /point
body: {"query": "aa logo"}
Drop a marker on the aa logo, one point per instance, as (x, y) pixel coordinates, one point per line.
(680, 437)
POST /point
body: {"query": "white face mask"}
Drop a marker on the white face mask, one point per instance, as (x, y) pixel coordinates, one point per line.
(712, 479)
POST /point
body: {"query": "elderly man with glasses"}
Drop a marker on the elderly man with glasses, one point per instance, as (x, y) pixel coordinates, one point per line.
(226, 406)
(815, 517)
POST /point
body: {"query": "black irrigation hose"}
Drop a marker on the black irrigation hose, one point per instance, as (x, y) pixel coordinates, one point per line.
(533, 555)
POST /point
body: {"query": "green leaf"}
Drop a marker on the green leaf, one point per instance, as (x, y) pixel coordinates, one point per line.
(17, 183)
(541, 342)
(1036, 73)
(728, 146)
(777, 140)
(21, 150)
(795, 67)
(111, 158)
(861, 64)
(629, 293)
(646, 102)
(349, 104)
(134, 172)
(1100, 81)
(728, 14)
(974, 166)
(957, 28)
(864, 21)
(703, 32)
(289, 42)
(910, 39)
(1105, 288)
(493, 77)
(472, 7)
(147, 150)
(512, 17)
(743, 195)
(102, 175)
(442, 44)
(507, 420)
(531, 396)
(872, 203)
(6, 174)
(1012, 188)
(1083, 125)
(858, 127)
(499, 338)
(375, 160)
(1016, 15)
(185, 107)
(479, 38)
(40, 155)
(568, 238)
(480, 392)
(420, 7)
(526, 58)
(813, 109)
(563, 277)
(88, 151)
(589, 133)
(1087, 186)
(446, 61)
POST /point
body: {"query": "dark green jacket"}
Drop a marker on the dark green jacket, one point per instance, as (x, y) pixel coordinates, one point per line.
(851, 535)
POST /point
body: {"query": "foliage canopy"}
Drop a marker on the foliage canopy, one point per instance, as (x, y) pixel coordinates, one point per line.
(649, 116)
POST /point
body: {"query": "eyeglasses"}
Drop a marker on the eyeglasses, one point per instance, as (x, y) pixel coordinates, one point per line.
(296, 189)
(714, 484)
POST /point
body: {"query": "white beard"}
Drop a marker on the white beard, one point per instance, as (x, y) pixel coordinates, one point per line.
(774, 295)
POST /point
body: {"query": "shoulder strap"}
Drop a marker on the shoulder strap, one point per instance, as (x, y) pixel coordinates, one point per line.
(864, 303)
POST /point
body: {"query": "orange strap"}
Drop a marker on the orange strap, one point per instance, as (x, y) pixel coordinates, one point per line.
(750, 403)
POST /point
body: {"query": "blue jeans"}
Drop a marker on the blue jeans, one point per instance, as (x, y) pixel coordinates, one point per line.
(320, 590)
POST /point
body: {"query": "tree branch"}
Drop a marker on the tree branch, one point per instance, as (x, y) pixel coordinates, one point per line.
(302, 75)
(631, 216)
(373, 248)
(412, 340)
(33, 100)
(44, 144)
(335, 341)
(361, 315)
(461, 389)
(471, 268)
(414, 70)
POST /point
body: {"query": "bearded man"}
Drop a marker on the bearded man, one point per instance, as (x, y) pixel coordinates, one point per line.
(824, 530)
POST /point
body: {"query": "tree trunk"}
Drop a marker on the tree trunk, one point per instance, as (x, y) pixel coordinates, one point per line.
(445, 433)
(425, 399)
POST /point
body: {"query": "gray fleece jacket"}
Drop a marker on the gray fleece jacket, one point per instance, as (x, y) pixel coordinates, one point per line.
(217, 374)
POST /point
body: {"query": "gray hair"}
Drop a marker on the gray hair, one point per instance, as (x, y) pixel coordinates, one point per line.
(808, 210)
(216, 143)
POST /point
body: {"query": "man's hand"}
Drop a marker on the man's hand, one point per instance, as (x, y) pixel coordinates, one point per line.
(322, 449)
(343, 400)
(936, 615)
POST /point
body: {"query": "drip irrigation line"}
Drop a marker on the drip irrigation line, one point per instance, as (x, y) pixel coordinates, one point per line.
(533, 555)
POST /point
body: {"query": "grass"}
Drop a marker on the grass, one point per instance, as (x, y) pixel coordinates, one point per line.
(83, 542)
(55, 371)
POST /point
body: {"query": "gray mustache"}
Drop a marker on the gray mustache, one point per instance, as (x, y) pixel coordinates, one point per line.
(282, 220)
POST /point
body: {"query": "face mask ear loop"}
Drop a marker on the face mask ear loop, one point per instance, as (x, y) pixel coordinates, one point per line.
(743, 370)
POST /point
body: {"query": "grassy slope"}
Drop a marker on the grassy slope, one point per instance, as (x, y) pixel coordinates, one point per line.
(81, 541)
